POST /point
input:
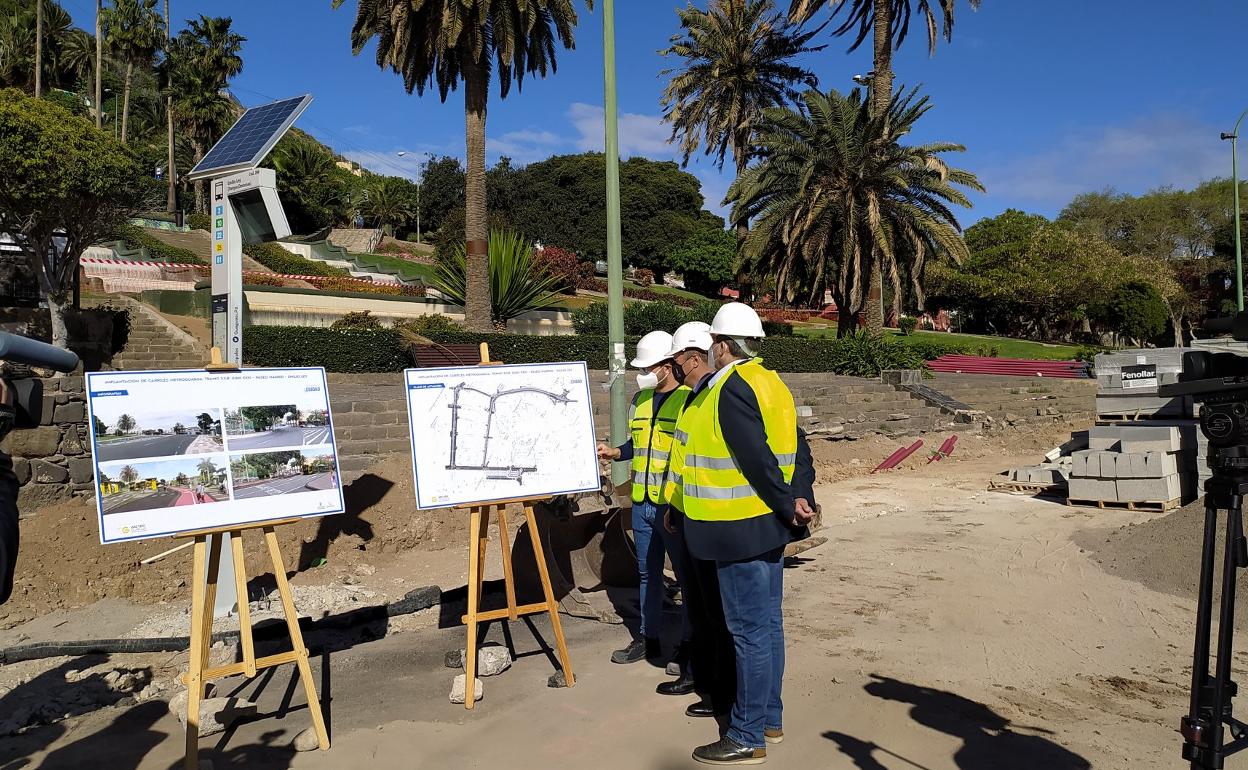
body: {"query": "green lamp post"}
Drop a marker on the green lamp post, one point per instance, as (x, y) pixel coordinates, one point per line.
(615, 267)
(1239, 264)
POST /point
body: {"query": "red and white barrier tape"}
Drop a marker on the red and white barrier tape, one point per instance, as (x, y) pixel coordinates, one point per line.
(184, 266)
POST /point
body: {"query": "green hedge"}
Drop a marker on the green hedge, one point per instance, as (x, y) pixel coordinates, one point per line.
(382, 350)
(158, 250)
(644, 317)
(279, 260)
(338, 350)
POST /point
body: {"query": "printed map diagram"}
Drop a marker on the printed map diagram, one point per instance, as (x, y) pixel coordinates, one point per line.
(499, 432)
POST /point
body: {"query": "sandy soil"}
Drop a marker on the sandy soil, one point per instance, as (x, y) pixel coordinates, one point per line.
(941, 627)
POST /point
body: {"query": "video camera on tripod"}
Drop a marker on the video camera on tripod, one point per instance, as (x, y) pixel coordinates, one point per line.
(1218, 382)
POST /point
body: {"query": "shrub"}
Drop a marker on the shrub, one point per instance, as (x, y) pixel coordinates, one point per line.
(158, 250)
(644, 277)
(428, 326)
(360, 319)
(858, 355)
(279, 260)
(563, 266)
(263, 279)
(591, 319)
(642, 318)
(197, 220)
(1136, 311)
(368, 287)
(907, 324)
(338, 350)
(931, 349)
(1088, 353)
(68, 101)
(645, 317)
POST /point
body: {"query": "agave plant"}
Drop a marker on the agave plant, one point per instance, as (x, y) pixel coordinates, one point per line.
(518, 282)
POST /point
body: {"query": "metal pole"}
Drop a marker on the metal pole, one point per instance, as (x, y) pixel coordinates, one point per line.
(615, 267)
(1239, 258)
(418, 186)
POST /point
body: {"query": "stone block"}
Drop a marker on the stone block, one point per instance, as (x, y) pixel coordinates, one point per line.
(21, 466)
(351, 419)
(1092, 489)
(1147, 465)
(370, 406)
(81, 469)
(72, 445)
(72, 384)
(493, 659)
(35, 442)
(1094, 463)
(459, 689)
(1162, 490)
(216, 715)
(70, 413)
(44, 472)
(34, 496)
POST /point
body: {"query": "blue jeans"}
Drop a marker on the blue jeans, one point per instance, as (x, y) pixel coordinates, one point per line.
(646, 518)
(752, 592)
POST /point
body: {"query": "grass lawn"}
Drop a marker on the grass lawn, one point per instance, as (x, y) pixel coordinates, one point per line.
(399, 266)
(569, 302)
(672, 290)
(1007, 347)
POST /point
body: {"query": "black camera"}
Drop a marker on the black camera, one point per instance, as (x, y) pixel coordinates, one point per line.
(1219, 383)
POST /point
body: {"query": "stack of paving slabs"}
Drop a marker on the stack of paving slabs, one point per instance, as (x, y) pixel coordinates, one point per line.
(1127, 382)
(1152, 465)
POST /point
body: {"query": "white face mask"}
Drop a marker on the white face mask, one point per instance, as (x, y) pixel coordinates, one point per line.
(647, 380)
(710, 357)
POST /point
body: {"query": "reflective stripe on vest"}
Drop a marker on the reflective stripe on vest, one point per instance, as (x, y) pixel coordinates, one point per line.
(652, 442)
(713, 488)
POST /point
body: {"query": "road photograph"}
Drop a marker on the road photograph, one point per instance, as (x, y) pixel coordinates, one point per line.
(278, 426)
(143, 486)
(125, 430)
(266, 474)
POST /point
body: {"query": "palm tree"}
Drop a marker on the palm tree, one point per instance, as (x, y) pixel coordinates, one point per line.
(443, 43)
(99, 63)
(834, 191)
(518, 282)
(75, 58)
(129, 474)
(134, 33)
(390, 203)
(737, 60)
(207, 470)
(171, 198)
(200, 62)
(888, 23)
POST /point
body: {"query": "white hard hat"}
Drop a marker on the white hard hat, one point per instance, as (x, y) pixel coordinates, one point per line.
(695, 334)
(651, 349)
(736, 319)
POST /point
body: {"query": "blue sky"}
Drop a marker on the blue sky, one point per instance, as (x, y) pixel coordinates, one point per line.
(1051, 99)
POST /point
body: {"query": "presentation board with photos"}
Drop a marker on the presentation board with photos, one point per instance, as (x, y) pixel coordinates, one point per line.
(487, 433)
(178, 451)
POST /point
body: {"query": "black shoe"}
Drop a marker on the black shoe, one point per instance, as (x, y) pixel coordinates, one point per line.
(638, 649)
(681, 686)
(702, 709)
(726, 751)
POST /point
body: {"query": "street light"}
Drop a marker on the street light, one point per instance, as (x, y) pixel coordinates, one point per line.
(1239, 265)
(419, 183)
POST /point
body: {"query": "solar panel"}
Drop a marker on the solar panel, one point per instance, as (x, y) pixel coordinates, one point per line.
(251, 138)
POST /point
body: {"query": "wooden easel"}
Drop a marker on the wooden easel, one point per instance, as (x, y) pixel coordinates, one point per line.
(478, 539)
(207, 563)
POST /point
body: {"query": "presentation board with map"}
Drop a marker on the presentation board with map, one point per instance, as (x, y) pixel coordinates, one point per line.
(487, 433)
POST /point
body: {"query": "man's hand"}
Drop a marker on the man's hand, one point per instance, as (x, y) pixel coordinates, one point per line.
(608, 452)
(805, 513)
(667, 521)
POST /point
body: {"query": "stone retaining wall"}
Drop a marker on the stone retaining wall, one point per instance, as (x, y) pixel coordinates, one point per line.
(53, 460)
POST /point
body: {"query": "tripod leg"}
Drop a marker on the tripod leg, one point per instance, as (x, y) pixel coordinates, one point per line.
(1222, 686)
(1204, 611)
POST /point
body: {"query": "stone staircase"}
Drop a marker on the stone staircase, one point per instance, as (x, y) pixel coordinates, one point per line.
(830, 405)
(356, 241)
(155, 343)
(198, 242)
(1020, 399)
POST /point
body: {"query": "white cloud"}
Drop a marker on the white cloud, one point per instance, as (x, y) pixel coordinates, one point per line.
(525, 146)
(1131, 157)
(639, 134)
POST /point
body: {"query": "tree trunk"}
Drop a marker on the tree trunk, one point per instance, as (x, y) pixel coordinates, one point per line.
(1177, 322)
(743, 159)
(477, 303)
(38, 48)
(125, 102)
(881, 95)
(99, 60)
(200, 203)
(57, 305)
(172, 198)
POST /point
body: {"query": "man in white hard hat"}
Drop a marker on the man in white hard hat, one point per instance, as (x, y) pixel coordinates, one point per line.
(737, 451)
(652, 422)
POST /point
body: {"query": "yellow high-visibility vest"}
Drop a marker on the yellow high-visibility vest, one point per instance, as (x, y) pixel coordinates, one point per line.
(652, 442)
(705, 480)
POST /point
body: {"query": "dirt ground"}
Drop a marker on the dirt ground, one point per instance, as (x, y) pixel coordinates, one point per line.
(941, 626)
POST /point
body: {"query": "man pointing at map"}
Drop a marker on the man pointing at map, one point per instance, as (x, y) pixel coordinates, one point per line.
(652, 421)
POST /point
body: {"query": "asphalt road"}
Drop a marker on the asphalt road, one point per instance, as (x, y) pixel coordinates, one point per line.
(283, 437)
(285, 486)
(144, 446)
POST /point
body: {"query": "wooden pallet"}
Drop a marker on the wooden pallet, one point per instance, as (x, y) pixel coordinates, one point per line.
(1026, 488)
(1110, 418)
(1128, 506)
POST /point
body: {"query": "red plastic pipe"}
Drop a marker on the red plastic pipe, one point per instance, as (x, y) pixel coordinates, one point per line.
(896, 457)
(945, 450)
